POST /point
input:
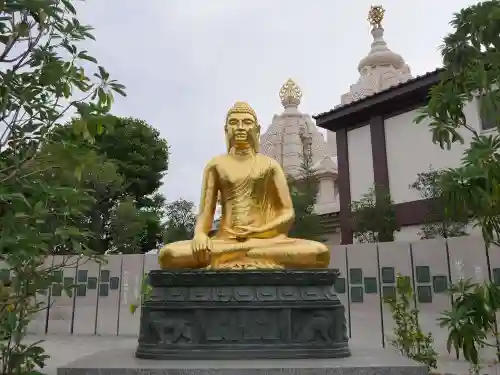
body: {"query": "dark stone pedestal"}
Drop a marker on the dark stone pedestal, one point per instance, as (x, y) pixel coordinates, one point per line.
(242, 315)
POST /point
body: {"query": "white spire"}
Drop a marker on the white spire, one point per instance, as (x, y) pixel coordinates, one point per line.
(381, 68)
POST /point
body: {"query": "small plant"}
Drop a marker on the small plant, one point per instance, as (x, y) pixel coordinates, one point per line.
(144, 294)
(472, 319)
(410, 340)
(374, 217)
(439, 221)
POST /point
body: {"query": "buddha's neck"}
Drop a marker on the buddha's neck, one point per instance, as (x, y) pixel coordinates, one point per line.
(243, 152)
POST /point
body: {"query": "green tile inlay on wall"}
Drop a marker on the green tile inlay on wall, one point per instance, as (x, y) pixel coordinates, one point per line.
(496, 276)
(388, 291)
(82, 276)
(4, 275)
(92, 283)
(340, 285)
(68, 281)
(424, 294)
(57, 290)
(440, 283)
(103, 290)
(388, 275)
(423, 274)
(81, 290)
(356, 294)
(105, 276)
(356, 276)
(58, 276)
(371, 285)
(114, 283)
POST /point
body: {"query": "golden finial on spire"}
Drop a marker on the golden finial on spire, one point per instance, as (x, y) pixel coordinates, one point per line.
(376, 16)
(290, 93)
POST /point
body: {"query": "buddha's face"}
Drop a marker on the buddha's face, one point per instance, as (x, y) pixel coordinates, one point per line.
(242, 130)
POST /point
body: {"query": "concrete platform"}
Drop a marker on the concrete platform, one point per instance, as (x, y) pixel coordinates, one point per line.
(362, 362)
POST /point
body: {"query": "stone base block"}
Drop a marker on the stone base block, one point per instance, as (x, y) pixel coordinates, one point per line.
(362, 362)
(242, 315)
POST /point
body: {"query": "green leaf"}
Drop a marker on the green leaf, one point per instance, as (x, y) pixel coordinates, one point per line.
(83, 55)
(103, 73)
(78, 173)
(119, 91)
(23, 29)
(69, 6)
(99, 128)
(133, 308)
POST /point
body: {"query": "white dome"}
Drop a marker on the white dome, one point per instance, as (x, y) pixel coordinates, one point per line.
(380, 54)
(379, 70)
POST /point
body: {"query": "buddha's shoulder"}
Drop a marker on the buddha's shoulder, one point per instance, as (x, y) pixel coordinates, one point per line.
(264, 159)
(216, 160)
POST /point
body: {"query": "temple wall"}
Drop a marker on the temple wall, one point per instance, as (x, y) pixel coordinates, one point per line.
(360, 161)
(100, 305)
(410, 151)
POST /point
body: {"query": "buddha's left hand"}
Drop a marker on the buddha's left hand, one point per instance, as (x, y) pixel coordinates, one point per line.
(245, 230)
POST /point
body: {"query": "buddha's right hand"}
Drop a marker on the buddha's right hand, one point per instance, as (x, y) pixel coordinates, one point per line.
(201, 247)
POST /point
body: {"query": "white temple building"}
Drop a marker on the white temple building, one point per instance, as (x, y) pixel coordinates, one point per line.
(377, 116)
(293, 134)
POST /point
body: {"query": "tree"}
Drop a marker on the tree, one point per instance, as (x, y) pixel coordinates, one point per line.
(93, 174)
(181, 221)
(471, 67)
(374, 218)
(438, 221)
(42, 81)
(136, 159)
(140, 153)
(153, 212)
(142, 157)
(127, 225)
(304, 190)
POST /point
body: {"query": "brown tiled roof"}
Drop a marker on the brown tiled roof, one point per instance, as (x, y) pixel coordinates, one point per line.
(377, 94)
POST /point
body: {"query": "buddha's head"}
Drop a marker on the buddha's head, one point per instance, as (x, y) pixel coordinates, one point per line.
(242, 128)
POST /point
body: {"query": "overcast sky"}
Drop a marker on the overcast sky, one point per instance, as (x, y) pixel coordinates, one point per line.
(185, 62)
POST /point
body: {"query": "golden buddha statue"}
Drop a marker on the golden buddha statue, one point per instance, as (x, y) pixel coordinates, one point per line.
(257, 210)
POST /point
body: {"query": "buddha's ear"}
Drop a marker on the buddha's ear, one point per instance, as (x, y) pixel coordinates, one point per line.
(257, 128)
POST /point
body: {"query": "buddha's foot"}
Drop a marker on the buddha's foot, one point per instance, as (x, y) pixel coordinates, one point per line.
(246, 264)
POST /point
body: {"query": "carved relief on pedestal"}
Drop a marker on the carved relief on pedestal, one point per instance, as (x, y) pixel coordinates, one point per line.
(170, 328)
(243, 326)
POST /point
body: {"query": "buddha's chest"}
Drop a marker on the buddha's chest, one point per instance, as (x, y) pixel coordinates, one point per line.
(253, 175)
